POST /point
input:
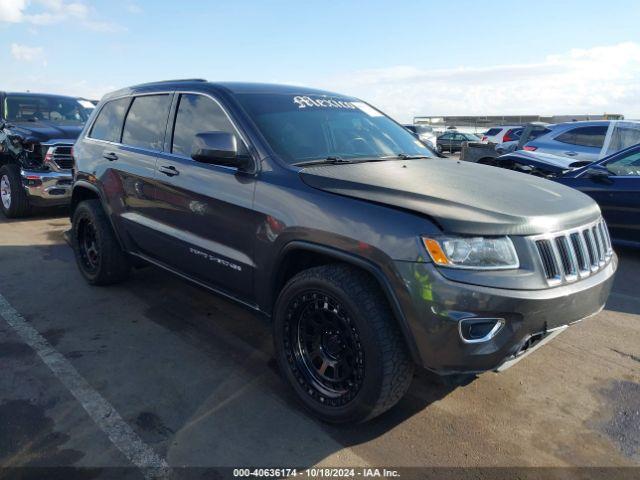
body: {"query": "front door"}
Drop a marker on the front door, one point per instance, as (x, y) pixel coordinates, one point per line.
(618, 195)
(204, 214)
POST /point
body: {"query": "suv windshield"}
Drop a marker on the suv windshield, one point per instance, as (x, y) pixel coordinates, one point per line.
(32, 108)
(312, 127)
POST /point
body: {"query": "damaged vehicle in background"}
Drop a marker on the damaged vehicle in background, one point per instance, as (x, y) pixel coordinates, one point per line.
(425, 133)
(613, 182)
(37, 132)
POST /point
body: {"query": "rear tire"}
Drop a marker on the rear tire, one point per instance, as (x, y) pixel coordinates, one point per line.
(14, 202)
(338, 345)
(98, 254)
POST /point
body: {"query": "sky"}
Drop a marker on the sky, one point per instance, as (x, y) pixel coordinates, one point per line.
(409, 58)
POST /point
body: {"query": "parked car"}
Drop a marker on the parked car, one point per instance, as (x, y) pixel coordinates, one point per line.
(529, 132)
(324, 215)
(587, 140)
(37, 132)
(613, 182)
(424, 133)
(501, 134)
(453, 141)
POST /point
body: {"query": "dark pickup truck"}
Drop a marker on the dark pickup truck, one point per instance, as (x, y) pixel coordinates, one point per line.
(318, 211)
(37, 132)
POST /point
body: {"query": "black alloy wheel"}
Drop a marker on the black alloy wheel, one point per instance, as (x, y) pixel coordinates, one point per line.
(323, 348)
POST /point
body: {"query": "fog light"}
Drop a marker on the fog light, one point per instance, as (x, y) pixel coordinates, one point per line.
(477, 330)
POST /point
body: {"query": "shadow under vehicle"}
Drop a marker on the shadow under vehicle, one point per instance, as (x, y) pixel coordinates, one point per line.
(37, 132)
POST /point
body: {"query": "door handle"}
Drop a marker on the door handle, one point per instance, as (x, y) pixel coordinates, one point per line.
(111, 156)
(169, 171)
(570, 154)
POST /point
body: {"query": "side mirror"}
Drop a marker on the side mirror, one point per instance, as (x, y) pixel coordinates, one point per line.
(598, 174)
(218, 148)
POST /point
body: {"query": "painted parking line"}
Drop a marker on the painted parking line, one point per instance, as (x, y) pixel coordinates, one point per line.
(99, 409)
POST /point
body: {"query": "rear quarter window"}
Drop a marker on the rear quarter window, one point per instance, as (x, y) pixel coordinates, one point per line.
(584, 136)
(109, 122)
(492, 132)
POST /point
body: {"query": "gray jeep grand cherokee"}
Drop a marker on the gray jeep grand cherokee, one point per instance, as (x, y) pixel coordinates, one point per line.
(321, 213)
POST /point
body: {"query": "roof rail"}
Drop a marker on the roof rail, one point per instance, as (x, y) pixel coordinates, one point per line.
(179, 80)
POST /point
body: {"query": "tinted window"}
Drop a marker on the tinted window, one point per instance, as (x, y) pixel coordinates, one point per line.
(492, 132)
(584, 136)
(535, 133)
(199, 114)
(446, 136)
(146, 122)
(628, 165)
(109, 122)
(30, 108)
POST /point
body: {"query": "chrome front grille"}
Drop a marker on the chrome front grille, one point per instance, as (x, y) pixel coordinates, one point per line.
(60, 155)
(574, 254)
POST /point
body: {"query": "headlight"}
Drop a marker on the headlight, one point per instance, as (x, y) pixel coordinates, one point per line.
(478, 253)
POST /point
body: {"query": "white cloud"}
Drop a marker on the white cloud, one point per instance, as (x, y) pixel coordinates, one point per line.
(11, 11)
(26, 53)
(49, 12)
(596, 80)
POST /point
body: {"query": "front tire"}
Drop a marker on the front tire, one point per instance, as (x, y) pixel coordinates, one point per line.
(14, 202)
(98, 253)
(338, 345)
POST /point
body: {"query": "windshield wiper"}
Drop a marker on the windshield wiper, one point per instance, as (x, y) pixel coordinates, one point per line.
(325, 161)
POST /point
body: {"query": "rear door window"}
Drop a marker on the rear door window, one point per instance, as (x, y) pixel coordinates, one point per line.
(492, 132)
(108, 125)
(146, 122)
(584, 136)
(199, 114)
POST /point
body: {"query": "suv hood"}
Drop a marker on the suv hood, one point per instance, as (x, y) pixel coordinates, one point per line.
(461, 197)
(42, 131)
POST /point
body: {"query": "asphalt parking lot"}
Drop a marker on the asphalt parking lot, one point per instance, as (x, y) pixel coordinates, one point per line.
(193, 377)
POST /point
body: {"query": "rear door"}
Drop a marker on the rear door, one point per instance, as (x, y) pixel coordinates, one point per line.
(204, 223)
(126, 171)
(129, 180)
(458, 139)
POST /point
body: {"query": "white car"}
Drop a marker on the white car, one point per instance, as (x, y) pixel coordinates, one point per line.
(501, 134)
(425, 133)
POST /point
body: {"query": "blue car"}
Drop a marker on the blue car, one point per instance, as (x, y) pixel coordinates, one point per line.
(613, 182)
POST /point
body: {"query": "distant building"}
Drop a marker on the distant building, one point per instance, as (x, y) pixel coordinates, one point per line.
(479, 123)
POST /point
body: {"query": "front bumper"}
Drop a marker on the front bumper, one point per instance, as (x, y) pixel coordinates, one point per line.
(433, 307)
(47, 188)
